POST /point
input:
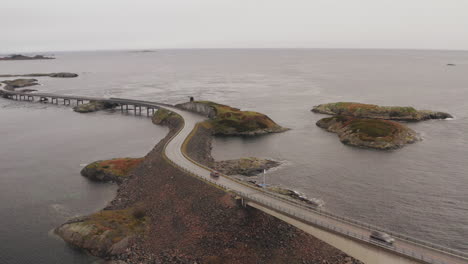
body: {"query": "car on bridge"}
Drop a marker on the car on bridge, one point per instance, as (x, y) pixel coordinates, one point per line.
(382, 237)
(214, 174)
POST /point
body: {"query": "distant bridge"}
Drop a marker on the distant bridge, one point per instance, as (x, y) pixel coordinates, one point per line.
(348, 235)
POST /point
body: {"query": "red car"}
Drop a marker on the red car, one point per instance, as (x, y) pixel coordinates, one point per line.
(214, 174)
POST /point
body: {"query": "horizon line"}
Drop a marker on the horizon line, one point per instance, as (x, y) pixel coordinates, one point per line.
(232, 48)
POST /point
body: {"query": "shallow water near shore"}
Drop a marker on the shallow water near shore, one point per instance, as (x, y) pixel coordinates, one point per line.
(419, 190)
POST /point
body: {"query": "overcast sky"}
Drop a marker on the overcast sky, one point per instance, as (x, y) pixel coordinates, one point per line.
(54, 25)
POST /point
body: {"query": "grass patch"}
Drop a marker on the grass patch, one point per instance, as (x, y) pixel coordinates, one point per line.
(232, 120)
(118, 167)
(117, 223)
(370, 129)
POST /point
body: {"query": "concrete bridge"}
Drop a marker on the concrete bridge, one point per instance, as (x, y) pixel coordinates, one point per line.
(348, 235)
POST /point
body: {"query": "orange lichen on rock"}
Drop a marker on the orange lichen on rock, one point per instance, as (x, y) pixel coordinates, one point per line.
(110, 170)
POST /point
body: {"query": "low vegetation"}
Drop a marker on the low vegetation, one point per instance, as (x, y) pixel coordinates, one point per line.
(110, 170)
(360, 110)
(163, 117)
(233, 121)
(370, 133)
(105, 232)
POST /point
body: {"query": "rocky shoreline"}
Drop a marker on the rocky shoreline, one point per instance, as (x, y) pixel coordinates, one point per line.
(155, 219)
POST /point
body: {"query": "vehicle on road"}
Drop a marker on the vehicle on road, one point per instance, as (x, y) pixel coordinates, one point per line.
(382, 237)
(214, 174)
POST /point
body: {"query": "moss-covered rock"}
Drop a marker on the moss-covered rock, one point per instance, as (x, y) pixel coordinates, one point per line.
(232, 121)
(165, 117)
(369, 133)
(110, 170)
(93, 106)
(381, 112)
(106, 233)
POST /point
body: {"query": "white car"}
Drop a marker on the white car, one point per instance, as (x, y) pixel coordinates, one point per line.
(382, 237)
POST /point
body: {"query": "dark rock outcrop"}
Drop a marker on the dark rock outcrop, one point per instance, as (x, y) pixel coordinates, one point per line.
(378, 112)
(369, 133)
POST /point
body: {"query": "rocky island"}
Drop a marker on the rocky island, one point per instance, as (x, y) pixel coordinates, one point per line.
(378, 112)
(369, 133)
(23, 57)
(230, 121)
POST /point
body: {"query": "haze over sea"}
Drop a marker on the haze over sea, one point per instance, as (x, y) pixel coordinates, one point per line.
(419, 190)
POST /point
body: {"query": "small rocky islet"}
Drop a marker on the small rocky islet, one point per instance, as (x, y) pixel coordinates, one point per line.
(24, 57)
(373, 126)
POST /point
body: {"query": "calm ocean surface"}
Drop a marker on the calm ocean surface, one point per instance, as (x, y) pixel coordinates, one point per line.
(420, 190)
